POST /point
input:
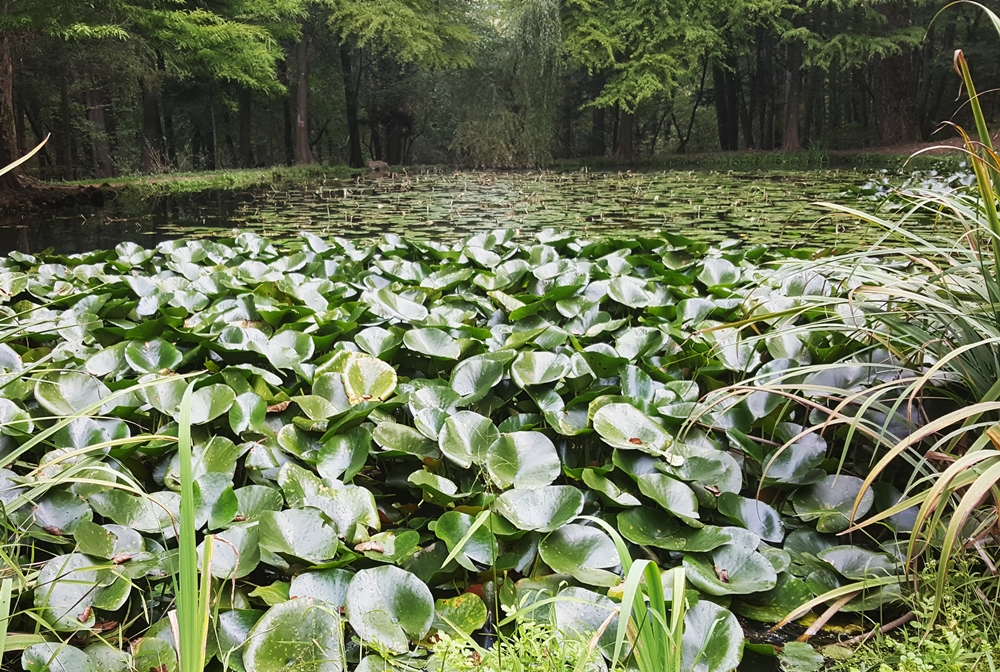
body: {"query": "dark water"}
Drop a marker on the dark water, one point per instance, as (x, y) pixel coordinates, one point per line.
(772, 207)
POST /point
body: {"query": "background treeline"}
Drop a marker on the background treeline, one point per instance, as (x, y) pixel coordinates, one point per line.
(129, 86)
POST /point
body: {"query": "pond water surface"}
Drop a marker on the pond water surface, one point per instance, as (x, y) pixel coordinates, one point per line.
(773, 207)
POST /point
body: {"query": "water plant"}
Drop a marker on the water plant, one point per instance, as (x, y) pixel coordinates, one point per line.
(381, 434)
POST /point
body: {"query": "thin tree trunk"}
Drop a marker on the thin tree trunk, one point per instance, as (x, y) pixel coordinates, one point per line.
(152, 129)
(246, 117)
(303, 155)
(626, 141)
(8, 133)
(100, 149)
(66, 136)
(168, 132)
(351, 98)
(793, 98)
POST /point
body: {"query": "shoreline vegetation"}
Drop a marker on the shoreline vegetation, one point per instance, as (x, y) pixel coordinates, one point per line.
(55, 195)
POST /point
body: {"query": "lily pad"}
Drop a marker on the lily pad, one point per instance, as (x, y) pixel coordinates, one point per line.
(153, 356)
(65, 591)
(301, 634)
(544, 509)
(756, 516)
(463, 614)
(389, 606)
(481, 548)
(367, 379)
(830, 502)
(525, 460)
(539, 367)
(625, 427)
(712, 640)
(584, 552)
(466, 437)
(730, 569)
(57, 657)
(433, 343)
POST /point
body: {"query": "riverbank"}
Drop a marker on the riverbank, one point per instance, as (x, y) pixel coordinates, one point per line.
(42, 196)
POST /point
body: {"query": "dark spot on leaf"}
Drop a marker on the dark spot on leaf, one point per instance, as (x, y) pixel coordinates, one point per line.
(278, 408)
(54, 531)
(104, 626)
(635, 441)
(723, 574)
(239, 518)
(121, 558)
(85, 616)
(714, 489)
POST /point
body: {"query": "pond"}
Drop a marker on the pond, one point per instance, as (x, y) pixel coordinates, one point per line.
(772, 207)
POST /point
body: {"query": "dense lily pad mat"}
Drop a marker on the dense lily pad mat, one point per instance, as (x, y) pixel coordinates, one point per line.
(379, 428)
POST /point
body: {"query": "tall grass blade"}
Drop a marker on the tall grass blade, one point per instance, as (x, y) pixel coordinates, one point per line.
(188, 607)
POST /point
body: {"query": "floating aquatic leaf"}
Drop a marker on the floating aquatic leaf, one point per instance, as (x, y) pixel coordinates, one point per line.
(389, 606)
(300, 634)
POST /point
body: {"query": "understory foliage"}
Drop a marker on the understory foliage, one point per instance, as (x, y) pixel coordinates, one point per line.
(399, 439)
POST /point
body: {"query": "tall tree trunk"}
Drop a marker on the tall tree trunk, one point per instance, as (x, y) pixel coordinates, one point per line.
(100, 149)
(246, 147)
(597, 146)
(351, 98)
(303, 155)
(152, 130)
(168, 134)
(793, 98)
(626, 140)
(8, 133)
(726, 89)
(66, 134)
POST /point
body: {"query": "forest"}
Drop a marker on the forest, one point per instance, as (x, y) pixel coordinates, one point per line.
(149, 86)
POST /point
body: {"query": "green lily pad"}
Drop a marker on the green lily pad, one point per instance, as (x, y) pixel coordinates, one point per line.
(481, 548)
(378, 342)
(647, 526)
(858, 564)
(538, 368)
(464, 614)
(674, 496)
(300, 634)
(433, 343)
(208, 403)
(544, 509)
(584, 552)
(788, 594)
(325, 585)
(302, 533)
(154, 356)
(389, 606)
(65, 592)
(580, 613)
(756, 516)
(396, 307)
(396, 436)
(345, 506)
(69, 392)
(800, 657)
(466, 437)
(730, 569)
(472, 378)
(235, 552)
(625, 427)
(57, 657)
(231, 631)
(830, 501)
(712, 640)
(525, 460)
(344, 455)
(608, 488)
(367, 379)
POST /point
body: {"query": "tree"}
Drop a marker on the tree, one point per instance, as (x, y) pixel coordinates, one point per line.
(397, 38)
(641, 46)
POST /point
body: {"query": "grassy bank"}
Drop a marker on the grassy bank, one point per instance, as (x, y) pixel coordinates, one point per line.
(221, 180)
(757, 160)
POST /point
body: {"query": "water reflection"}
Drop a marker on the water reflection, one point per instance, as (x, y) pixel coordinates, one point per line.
(772, 207)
